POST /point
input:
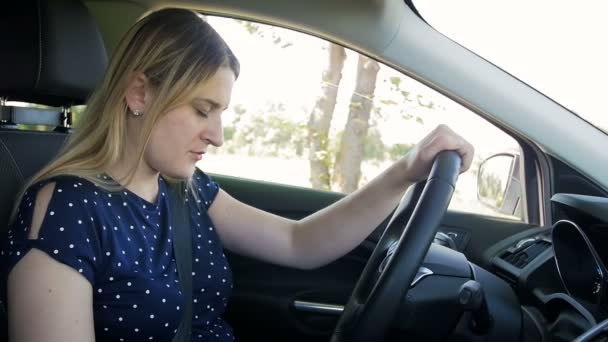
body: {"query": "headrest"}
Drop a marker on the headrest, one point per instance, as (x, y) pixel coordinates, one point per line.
(51, 52)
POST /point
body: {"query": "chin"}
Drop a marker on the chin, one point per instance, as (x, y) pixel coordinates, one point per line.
(183, 173)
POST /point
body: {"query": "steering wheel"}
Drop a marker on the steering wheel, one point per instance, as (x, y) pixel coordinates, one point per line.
(593, 333)
(386, 278)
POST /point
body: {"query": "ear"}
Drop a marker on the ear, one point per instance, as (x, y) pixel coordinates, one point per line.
(138, 92)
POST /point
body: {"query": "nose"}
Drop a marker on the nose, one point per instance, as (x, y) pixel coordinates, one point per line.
(214, 130)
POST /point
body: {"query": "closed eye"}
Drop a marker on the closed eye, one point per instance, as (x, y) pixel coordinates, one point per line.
(201, 113)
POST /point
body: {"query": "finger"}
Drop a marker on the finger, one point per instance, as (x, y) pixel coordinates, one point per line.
(443, 138)
(455, 142)
(467, 152)
(466, 159)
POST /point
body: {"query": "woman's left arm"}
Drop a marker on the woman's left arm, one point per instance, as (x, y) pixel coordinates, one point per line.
(334, 231)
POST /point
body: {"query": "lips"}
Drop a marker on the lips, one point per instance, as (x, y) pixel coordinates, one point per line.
(198, 155)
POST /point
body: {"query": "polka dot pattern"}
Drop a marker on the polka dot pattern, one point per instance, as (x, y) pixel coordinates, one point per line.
(122, 244)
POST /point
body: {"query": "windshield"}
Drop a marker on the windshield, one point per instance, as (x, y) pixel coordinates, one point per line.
(557, 47)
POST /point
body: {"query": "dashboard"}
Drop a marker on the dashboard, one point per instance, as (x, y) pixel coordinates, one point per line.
(579, 266)
(559, 273)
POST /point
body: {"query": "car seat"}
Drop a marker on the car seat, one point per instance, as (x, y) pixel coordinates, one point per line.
(51, 54)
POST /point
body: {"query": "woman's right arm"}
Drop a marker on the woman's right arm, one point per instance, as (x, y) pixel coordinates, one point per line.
(47, 300)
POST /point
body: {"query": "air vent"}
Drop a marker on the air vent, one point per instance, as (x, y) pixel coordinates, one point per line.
(521, 256)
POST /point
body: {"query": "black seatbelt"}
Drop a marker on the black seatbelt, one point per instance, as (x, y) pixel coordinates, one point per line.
(182, 249)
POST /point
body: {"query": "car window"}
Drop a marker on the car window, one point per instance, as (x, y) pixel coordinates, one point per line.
(310, 113)
(75, 111)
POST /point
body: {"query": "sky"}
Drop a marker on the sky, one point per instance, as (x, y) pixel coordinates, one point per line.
(557, 46)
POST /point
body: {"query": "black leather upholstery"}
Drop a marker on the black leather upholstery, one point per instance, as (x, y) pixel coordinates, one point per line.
(22, 154)
(51, 52)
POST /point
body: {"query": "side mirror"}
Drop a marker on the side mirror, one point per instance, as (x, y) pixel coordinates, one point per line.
(499, 185)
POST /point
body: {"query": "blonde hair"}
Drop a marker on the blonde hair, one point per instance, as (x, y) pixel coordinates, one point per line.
(176, 50)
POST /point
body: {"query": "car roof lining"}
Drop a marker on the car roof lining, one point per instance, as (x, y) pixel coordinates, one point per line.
(377, 21)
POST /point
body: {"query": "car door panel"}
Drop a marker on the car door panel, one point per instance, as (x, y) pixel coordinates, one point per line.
(264, 295)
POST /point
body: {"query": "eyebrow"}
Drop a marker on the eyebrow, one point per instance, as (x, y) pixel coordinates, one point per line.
(211, 102)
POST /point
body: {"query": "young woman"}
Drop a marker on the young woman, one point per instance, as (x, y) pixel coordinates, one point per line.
(89, 250)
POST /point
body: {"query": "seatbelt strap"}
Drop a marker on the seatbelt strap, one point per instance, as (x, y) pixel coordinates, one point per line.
(182, 249)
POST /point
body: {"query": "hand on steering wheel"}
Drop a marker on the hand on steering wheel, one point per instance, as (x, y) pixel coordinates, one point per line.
(420, 159)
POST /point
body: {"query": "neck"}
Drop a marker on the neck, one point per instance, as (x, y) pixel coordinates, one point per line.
(144, 182)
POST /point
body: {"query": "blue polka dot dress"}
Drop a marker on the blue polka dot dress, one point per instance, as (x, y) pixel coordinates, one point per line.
(122, 244)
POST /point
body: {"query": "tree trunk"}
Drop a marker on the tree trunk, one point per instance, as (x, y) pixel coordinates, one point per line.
(348, 161)
(320, 119)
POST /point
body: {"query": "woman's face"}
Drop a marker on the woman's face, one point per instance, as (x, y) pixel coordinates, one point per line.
(181, 137)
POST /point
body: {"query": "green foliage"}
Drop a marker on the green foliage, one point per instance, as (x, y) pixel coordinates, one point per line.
(491, 189)
(269, 132)
(397, 151)
(398, 100)
(239, 109)
(275, 34)
(388, 102)
(229, 133)
(34, 127)
(354, 106)
(373, 147)
(396, 81)
(421, 102)
(251, 27)
(477, 161)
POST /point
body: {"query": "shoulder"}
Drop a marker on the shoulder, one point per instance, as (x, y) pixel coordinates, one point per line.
(201, 178)
(56, 217)
(73, 186)
(60, 187)
(204, 188)
(50, 196)
(64, 186)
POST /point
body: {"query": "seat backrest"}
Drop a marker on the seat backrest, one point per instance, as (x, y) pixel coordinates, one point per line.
(22, 154)
(52, 54)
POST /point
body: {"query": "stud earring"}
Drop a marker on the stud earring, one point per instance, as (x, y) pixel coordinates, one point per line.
(137, 112)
